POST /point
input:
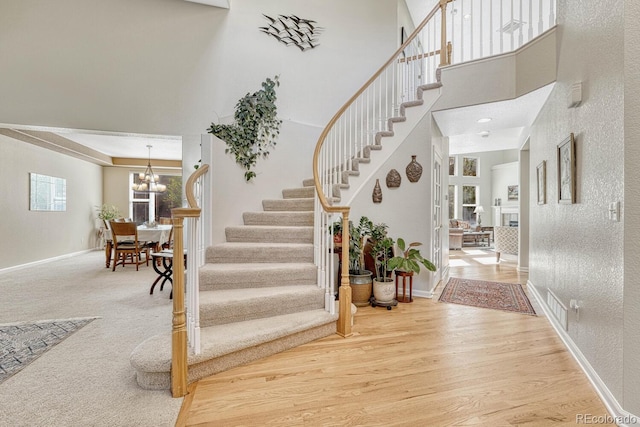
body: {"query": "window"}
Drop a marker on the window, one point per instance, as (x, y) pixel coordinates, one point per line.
(149, 207)
(452, 201)
(469, 202)
(469, 166)
(452, 166)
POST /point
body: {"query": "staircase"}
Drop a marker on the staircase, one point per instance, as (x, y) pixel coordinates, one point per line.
(258, 294)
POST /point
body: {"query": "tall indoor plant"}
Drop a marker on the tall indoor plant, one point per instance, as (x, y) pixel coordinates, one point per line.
(359, 277)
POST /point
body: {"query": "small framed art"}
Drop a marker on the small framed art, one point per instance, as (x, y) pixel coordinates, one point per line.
(541, 180)
(567, 171)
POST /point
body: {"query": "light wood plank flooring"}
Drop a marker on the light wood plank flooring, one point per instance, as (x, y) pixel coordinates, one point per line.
(421, 364)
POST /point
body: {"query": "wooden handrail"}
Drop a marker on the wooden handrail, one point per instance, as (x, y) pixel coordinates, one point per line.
(344, 297)
(179, 361)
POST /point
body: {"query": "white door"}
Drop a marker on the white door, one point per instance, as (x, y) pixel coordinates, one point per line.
(437, 217)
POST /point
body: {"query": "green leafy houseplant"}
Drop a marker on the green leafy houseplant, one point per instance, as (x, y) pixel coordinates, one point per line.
(357, 240)
(255, 128)
(410, 260)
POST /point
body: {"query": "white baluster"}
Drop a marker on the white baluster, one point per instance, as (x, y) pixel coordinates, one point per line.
(540, 24)
(552, 16)
(491, 27)
(530, 21)
(520, 37)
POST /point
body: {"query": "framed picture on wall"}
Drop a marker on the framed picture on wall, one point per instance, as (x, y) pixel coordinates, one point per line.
(567, 171)
(541, 180)
(512, 192)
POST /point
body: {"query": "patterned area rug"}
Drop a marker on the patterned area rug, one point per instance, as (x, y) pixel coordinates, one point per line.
(22, 343)
(495, 295)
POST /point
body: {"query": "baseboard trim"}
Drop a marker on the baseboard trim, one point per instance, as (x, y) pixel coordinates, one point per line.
(619, 416)
(43, 261)
(422, 294)
(522, 269)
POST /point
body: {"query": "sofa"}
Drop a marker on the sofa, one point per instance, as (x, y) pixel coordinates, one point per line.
(457, 228)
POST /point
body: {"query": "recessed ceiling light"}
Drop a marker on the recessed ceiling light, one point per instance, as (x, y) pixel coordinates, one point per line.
(485, 120)
(467, 16)
(484, 133)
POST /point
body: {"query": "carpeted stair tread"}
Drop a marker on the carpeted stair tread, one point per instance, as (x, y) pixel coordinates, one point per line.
(226, 346)
(301, 204)
(270, 233)
(237, 305)
(309, 182)
(279, 218)
(299, 193)
(218, 276)
(240, 252)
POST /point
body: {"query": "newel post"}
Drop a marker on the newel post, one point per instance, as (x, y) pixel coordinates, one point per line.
(179, 328)
(344, 294)
(445, 57)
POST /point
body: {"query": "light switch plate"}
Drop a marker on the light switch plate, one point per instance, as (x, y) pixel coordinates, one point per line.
(614, 211)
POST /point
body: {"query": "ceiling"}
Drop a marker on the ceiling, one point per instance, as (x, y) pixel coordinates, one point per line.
(507, 129)
(128, 145)
(510, 121)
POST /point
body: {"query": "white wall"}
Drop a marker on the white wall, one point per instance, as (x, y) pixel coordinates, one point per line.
(574, 249)
(406, 209)
(631, 355)
(504, 175)
(172, 67)
(287, 166)
(29, 236)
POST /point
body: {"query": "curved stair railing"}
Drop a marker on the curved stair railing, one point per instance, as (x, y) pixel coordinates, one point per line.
(186, 316)
(355, 130)
(477, 28)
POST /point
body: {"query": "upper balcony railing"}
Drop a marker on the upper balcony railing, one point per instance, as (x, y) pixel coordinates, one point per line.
(454, 31)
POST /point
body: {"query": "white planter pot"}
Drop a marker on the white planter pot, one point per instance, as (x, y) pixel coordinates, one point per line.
(384, 291)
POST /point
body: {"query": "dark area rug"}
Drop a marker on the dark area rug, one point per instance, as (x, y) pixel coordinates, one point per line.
(22, 343)
(494, 295)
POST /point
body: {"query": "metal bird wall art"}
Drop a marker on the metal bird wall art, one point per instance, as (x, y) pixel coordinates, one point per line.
(293, 31)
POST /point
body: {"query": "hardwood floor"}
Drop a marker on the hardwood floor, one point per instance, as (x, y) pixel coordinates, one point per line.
(421, 364)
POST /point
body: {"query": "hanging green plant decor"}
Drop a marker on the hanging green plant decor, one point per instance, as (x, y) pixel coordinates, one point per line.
(255, 128)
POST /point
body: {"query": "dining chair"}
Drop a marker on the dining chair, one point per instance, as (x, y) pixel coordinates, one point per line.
(169, 243)
(126, 245)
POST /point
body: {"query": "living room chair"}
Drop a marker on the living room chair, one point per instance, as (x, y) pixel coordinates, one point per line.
(506, 241)
(126, 245)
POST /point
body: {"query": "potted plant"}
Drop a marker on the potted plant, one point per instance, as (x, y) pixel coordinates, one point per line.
(383, 286)
(336, 231)
(107, 213)
(409, 262)
(359, 277)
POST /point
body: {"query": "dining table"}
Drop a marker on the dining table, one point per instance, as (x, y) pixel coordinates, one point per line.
(158, 234)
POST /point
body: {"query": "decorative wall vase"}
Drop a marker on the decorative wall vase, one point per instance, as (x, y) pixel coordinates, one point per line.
(414, 170)
(393, 179)
(377, 192)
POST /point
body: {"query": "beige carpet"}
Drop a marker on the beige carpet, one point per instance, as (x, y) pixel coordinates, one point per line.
(87, 379)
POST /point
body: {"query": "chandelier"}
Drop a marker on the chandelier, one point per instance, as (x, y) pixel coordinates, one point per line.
(149, 182)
